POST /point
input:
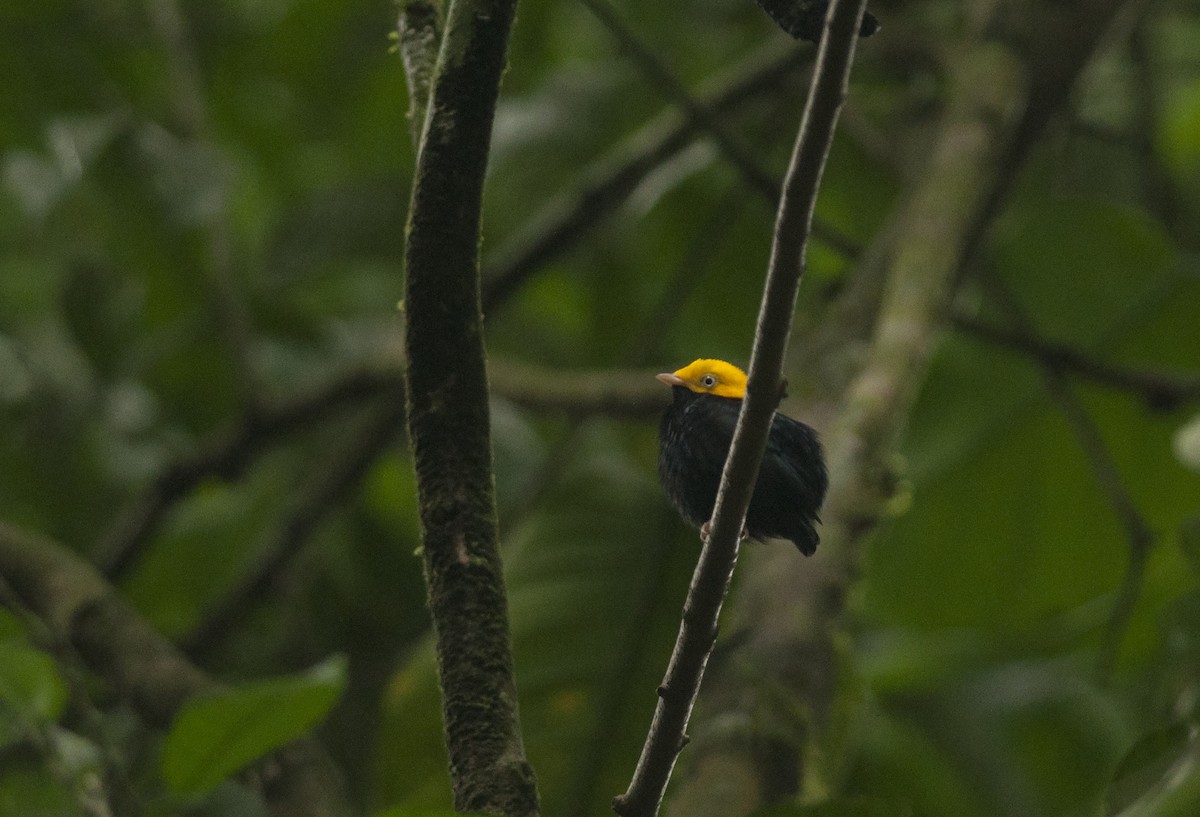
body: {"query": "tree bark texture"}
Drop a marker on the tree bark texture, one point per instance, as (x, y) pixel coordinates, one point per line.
(449, 421)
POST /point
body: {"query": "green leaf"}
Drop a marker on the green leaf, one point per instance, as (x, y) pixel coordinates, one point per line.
(1189, 541)
(845, 807)
(216, 735)
(1179, 139)
(1078, 264)
(10, 627)
(1177, 795)
(31, 690)
(900, 763)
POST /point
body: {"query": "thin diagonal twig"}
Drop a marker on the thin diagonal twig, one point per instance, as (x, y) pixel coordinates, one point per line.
(225, 453)
(757, 178)
(1161, 390)
(329, 482)
(611, 179)
(710, 582)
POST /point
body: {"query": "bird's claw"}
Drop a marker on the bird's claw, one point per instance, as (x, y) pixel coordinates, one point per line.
(707, 526)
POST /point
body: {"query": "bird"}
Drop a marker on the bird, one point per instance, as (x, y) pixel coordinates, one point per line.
(694, 438)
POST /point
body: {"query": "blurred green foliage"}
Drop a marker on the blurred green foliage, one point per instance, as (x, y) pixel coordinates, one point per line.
(216, 735)
(205, 201)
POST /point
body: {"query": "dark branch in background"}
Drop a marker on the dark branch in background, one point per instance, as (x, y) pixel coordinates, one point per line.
(1055, 41)
(610, 180)
(673, 89)
(82, 610)
(419, 32)
(448, 420)
(1138, 533)
(191, 113)
(710, 582)
(330, 482)
(1161, 391)
(225, 454)
(1160, 193)
(755, 176)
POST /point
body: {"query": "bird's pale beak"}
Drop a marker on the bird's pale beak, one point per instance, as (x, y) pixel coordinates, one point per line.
(670, 379)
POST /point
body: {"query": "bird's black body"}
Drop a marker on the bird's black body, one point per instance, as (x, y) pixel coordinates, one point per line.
(695, 435)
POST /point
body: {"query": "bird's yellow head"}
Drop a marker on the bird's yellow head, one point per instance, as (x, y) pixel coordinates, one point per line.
(707, 376)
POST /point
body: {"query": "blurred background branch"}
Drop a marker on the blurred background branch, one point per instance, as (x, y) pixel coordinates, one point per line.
(327, 485)
(225, 454)
(610, 180)
(1162, 391)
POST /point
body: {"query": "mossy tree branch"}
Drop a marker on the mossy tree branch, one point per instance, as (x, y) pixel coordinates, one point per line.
(227, 453)
(448, 417)
(81, 609)
(710, 582)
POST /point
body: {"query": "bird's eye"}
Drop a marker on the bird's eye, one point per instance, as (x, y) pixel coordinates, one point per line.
(708, 381)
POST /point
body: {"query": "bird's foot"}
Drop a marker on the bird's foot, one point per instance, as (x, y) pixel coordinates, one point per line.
(704, 530)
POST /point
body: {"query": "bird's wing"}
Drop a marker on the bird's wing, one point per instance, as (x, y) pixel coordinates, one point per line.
(794, 453)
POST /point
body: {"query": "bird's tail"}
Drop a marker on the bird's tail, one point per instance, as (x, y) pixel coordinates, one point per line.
(806, 538)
